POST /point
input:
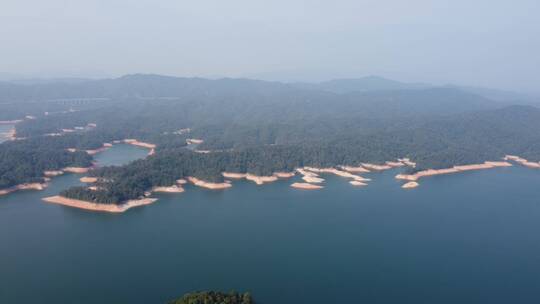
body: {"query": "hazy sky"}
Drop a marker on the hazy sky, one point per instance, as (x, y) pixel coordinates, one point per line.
(478, 42)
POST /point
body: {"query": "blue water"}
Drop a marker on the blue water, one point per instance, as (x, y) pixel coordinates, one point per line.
(466, 238)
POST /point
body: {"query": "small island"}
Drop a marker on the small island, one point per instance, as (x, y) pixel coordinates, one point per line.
(306, 186)
(214, 297)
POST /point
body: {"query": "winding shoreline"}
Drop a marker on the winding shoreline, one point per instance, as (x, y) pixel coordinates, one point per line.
(168, 189)
(522, 161)
(454, 169)
(137, 143)
(77, 170)
(209, 185)
(25, 186)
(86, 205)
(310, 175)
(259, 180)
(338, 173)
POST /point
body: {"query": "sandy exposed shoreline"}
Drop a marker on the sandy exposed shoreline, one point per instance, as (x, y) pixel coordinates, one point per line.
(53, 173)
(306, 186)
(407, 162)
(395, 164)
(104, 147)
(410, 185)
(455, 169)
(26, 186)
(358, 169)
(88, 179)
(96, 151)
(338, 173)
(76, 169)
(137, 143)
(194, 141)
(208, 185)
(169, 189)
(141, 144)
(522, 161)
(284, 174)
(259, 180)
(234, 175)
(114, 208)
(310, 177)
(357, 183)
(376, 167)
(313, 179)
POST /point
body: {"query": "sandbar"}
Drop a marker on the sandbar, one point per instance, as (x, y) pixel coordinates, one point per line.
(25, 186)
(259, 180)
(234, 175)
(76, 169)
(455, 169)
(114, 208)
(169, 189)
(98, 150)
(357, 183)
(313, 179)
(376, 167)
(410, 185)
(209, 185)
(395, 164)
(88, 179)
(358, 169)
(135, 142)
(306, 186)
(407, 162)
(522, 161)
(338, 173)
(284, 174)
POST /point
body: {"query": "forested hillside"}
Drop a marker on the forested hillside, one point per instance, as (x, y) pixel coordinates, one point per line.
(250, 126)
(459, 140)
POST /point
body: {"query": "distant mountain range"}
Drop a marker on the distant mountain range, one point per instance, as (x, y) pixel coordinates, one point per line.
(372, 95)
(338, 86)
(376, 83)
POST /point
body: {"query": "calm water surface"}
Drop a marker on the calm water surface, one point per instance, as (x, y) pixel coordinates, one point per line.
(467, 238)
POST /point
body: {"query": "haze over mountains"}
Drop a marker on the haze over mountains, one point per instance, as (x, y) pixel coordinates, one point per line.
(152, 86)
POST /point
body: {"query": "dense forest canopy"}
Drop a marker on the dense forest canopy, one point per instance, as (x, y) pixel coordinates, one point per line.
(251, 126)
(214, 297)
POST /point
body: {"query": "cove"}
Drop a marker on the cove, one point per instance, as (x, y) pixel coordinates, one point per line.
(463, 238)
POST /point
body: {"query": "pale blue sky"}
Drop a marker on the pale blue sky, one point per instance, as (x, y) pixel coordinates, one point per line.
(477, 42)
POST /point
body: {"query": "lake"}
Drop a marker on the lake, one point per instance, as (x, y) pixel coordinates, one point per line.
(464, 238)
